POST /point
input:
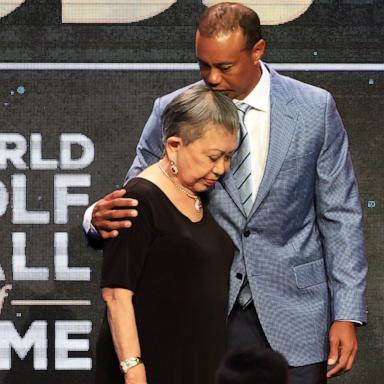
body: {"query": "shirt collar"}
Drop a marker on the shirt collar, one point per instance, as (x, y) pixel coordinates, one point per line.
(259, 96)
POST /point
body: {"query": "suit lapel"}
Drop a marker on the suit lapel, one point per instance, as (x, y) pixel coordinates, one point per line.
(228, 183)
(283, 124)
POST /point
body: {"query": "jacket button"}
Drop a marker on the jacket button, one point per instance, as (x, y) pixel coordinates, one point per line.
(247, 233)
(239, 276)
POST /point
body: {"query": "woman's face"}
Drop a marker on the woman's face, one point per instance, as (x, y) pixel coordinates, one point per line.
(202, 162)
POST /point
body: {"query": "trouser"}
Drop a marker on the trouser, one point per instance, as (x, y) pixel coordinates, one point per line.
(244, 329)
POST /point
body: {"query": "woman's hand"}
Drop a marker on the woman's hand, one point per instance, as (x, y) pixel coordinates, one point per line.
(136, 375)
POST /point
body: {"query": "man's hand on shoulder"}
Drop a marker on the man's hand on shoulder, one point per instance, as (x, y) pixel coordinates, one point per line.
(111, 213)
(343, 347)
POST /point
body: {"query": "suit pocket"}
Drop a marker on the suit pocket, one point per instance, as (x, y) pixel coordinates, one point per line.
(310, 274)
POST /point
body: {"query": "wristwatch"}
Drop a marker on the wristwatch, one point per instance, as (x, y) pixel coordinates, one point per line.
(129, 363)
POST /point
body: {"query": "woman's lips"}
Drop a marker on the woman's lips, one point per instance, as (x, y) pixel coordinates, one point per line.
(210, 182)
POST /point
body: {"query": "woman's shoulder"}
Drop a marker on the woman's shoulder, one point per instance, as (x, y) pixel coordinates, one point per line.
(141, 188)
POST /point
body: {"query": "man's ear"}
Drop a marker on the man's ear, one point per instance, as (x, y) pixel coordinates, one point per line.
(258, 51)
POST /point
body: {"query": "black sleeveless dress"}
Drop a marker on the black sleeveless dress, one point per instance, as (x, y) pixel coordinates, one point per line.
(179, 271)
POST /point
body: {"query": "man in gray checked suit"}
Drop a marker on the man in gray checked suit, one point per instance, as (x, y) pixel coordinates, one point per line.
(298, 279)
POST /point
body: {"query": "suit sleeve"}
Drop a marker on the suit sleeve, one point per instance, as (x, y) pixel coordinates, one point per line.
(339, 217)
(150, 147)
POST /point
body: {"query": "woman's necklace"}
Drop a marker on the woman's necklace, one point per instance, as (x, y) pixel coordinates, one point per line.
(197, 204)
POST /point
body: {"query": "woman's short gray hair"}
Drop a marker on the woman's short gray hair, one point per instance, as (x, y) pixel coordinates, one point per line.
(189, 113)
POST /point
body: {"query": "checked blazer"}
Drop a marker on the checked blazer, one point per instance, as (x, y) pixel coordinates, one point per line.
(302, 244)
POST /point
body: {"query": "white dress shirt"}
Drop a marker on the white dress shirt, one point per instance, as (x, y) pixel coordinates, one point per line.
(257, 121)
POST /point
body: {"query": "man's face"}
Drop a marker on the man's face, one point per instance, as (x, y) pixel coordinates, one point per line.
(226, 65)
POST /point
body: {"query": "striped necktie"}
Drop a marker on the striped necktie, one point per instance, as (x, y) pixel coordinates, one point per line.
(241, 169)
(241, 166)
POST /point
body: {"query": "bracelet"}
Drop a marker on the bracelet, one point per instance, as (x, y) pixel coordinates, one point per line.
(129, 363)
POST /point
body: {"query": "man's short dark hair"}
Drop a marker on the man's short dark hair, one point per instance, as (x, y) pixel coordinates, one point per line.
(250, 365)
(225, 18)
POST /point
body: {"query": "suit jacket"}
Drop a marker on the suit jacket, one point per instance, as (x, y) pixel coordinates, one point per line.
(302, 244)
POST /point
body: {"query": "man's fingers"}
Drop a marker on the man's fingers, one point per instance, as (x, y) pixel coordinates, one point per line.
(122, 213)
(114, 225)
(339, 367)
(335, 370)
(333, 351)
(113, 212)
(117, 203)
(108, 235)
(100, 217)
(117, 199)
(346, 360)
(333, 356)
(104, 208)
(351, 360)
(342, 366)
(115, 194)
(343, 347)
(120, 203)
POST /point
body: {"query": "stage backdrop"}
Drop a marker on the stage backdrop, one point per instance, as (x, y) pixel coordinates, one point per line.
(68, 135)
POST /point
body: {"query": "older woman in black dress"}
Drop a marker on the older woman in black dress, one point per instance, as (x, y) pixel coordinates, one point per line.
(165, 280)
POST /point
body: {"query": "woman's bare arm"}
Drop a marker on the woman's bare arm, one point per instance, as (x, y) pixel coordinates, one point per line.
(122, 322)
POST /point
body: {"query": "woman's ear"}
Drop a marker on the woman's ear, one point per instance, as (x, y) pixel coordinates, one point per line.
(172, 145)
